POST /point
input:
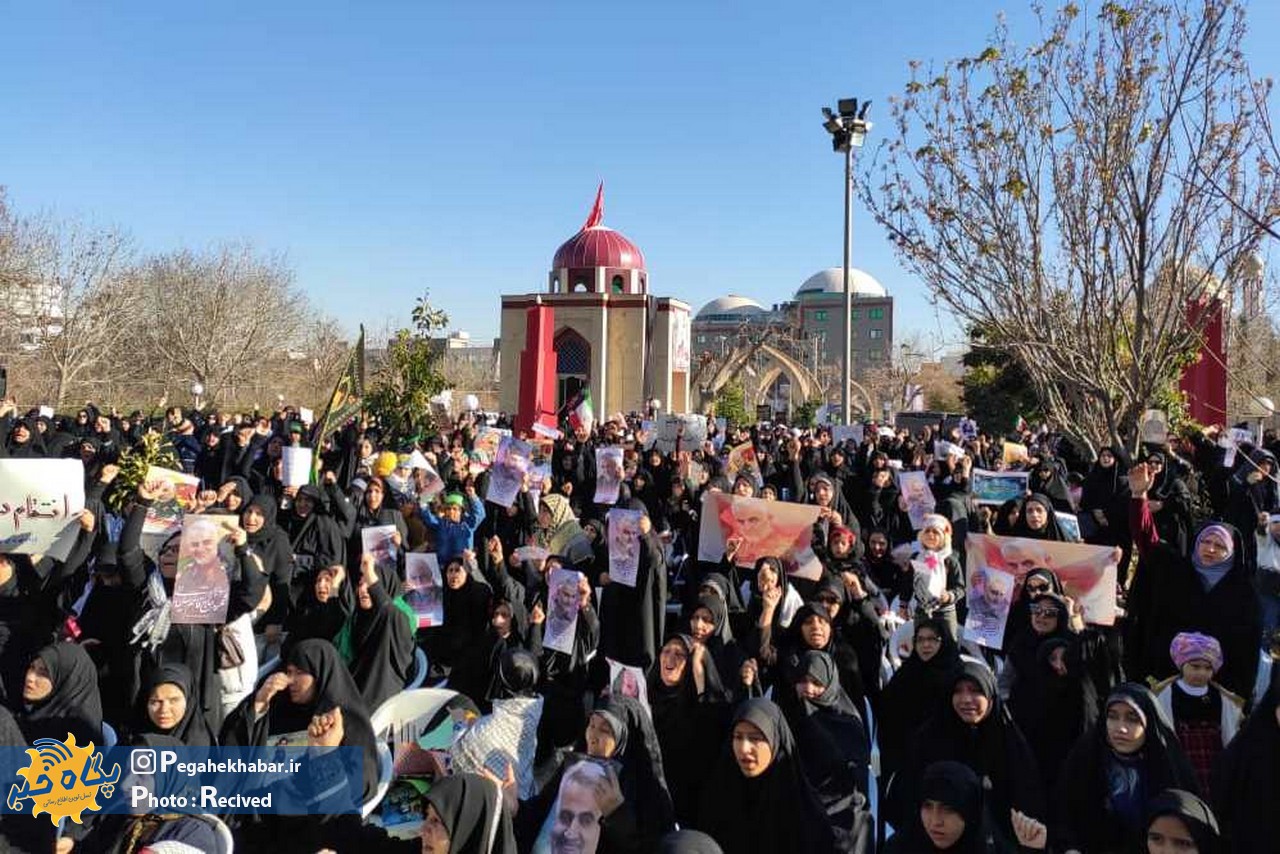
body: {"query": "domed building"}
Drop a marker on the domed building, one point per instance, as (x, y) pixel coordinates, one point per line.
(812, 315)
(596, 328)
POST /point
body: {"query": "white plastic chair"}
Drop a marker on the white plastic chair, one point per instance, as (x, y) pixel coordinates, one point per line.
(409, 712)
(419, 673)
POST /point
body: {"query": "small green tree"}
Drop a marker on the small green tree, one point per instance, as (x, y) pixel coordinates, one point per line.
(410, 376)
(731, 403)
(803, 414)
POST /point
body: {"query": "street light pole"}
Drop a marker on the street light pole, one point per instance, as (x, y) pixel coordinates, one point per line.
(846, 372)
(848, 127)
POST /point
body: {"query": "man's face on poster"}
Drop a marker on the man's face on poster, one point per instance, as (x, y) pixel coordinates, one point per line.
(577, 825)
(202, 545)
(996, 593)
(753, 521)
(1021, 558)
(566, 600)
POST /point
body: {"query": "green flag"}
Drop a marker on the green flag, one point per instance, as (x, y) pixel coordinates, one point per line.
(346, 401)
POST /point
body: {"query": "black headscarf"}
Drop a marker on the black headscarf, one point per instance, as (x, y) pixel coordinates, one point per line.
(994, 748)
(1087, 820)
(1195, 816)
(334, 688)
(381, 641)
(644, 786)
(955, 785)
(774, 811)
(1054, 710)
(470, 807)
(74, 706)
(832, 741)
(1246, 783)
(1050, 531)
(193, 729)
(913, 694)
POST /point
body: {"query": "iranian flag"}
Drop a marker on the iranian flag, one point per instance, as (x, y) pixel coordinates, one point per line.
(582, 416)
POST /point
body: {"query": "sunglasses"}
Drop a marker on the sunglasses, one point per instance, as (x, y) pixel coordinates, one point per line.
(1043, 611)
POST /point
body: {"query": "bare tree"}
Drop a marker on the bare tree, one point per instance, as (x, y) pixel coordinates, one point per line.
(69, 301)
(1065, 198)
(219, 317)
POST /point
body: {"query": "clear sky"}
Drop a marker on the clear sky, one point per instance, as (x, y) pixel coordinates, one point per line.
(386, 148)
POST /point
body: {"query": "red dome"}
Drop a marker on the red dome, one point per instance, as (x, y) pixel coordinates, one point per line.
(598, 246)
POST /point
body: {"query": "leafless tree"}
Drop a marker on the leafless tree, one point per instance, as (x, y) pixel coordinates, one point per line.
(219, 317)
(1073, 198)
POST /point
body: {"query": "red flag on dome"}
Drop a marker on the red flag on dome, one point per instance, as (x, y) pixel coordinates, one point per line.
(597, 210)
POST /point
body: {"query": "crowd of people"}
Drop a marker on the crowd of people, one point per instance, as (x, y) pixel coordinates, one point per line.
(733, 705)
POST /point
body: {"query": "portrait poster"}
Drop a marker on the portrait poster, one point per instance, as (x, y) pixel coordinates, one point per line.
(624, 546)
(562, 611)
(206, 557)
(742, 461)
(627, 681)
(589, 793)
(1087, 573)
(424, 588)
(988, 597)
(1069, 524)
(295, 465)
(177, 495)
(1015, 454)
(40, 501)
(609, 474)
(1154, 427)
(997, 487)
(760, 528)
(485, 448)
(377, 541)
(506, 476)
(914, 486)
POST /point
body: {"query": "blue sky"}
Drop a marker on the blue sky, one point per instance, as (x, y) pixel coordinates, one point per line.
(386, 148)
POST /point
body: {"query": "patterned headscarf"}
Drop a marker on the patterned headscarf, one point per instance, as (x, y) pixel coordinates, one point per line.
(1190, 646)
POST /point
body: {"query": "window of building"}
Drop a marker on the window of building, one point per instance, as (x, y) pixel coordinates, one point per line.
(580, 286)
(618, 285)
(877, 333)
(702, 339)
(875, 313)
(873, 355)
(820, 316)
(555, 285)
(856, 314)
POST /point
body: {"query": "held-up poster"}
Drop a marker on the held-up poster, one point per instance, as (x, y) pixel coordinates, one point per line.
(627, 681)
(506, 476)
(424, 588)
(917, 495)
(295, 465)
(609, 474)
(742, 461)
(206, 556)
(624, 546)
(177, 495)
(378, 541)
(842, 433)
(562, 611)
(485, 448)
(988, 597)
(1154, 427)
(39, 503)
(1015, 453)
(1087, 573)
(589, 793)
(759, 528)
(997, 487)
(689, 431)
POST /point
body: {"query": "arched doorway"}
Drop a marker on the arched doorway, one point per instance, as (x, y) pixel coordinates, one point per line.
(573, 365)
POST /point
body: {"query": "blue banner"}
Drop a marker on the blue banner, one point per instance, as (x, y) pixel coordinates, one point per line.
(61, 780)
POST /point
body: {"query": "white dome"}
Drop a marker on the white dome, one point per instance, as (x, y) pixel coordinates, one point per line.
(831, 281)
(733, 305)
